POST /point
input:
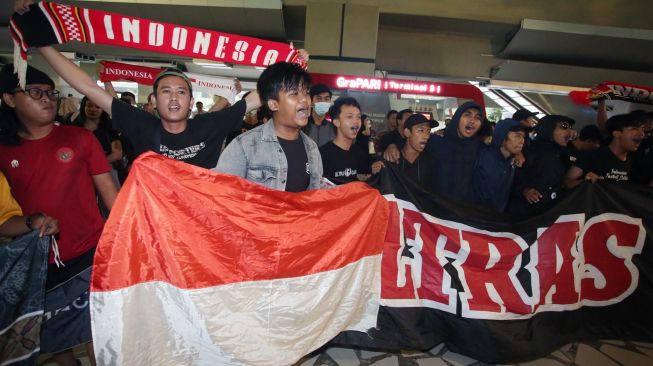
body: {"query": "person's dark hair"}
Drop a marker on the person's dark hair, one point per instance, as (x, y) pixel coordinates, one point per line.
(486, 129)
(105, 120)
(336, 108)
(390, 112)
(620, 121)
(281, 76)
(319, 89)
(641, 115)
(400, 114)
(9, 126)
(590, 133)
(149, 97)
(126, 94)
(263, 112)
(364, 117)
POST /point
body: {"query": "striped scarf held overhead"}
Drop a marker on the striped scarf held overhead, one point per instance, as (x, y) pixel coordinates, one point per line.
(49, 23)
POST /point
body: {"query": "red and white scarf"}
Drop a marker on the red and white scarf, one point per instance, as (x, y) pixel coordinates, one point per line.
(49, 23)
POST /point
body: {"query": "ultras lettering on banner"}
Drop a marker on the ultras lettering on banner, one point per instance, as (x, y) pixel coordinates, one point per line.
(572, 263)
(201, 43)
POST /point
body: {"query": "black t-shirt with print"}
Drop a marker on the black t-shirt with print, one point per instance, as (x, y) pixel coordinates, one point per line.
(604, 163)
(199, 144)
(341, 166)
(298, 170)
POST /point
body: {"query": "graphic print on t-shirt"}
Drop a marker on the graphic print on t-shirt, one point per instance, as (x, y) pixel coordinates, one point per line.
(617, 175)
(188, 152)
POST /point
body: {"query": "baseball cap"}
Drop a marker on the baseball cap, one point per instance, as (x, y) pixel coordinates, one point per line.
(173, 72)
(416, 119)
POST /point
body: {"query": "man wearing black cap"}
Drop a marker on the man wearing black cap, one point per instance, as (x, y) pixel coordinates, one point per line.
(318, 128)
(197, 143)
(56, 170)
(610, 162)
(412, 162)
(495, 169)
(341, 158)
(539, 183)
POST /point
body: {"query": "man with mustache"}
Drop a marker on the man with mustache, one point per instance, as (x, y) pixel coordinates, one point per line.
(342, 159)
(612, 162)
(278, 155)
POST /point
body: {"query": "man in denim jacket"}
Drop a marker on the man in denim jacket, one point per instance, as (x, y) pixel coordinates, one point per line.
(277, 154)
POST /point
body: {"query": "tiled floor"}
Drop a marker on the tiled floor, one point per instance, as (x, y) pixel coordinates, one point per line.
(604, 353)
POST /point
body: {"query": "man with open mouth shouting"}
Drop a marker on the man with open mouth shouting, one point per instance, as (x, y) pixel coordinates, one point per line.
(612, 162)
(343, 160)
(278, 154)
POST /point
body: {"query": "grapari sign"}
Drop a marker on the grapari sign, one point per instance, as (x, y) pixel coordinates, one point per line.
(384, 85)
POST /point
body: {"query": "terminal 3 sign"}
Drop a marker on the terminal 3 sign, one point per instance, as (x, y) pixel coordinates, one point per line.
(466, 91)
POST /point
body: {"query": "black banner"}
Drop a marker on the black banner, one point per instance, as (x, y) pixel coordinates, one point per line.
(504, 289)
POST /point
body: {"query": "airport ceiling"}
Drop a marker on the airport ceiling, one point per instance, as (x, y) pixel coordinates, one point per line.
(578, 43)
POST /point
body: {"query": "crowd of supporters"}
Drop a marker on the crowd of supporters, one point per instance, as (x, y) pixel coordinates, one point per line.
(64, 167)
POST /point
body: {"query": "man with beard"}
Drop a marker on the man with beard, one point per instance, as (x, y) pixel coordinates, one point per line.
(495, 168)
(610, 162)
(278, 154)
(171, 134)
(413, 163)
(342, 159)
(539, 182)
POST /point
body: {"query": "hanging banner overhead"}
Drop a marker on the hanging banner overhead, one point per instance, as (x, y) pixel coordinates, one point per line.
(614, 90)
(214, 85)
(49, 23)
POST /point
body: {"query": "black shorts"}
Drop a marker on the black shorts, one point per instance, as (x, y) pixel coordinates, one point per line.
(58, 275)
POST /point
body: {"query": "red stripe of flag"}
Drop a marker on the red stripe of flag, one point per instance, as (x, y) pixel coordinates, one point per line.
(193, 228)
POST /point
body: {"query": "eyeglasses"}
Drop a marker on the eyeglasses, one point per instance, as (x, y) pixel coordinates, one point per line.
(37, 94)
(564, 125)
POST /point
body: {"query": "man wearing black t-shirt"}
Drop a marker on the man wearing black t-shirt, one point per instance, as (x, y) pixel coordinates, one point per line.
(414, 164)
(610, 162)
(395, 137)
(171, 134)
(277, 154)
(342, 159)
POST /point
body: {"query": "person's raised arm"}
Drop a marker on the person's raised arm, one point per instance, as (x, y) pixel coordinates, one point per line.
(77, 78)
(253, 101)
(108, 86)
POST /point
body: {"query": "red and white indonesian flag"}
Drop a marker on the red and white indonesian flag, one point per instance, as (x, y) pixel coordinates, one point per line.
(200, 268)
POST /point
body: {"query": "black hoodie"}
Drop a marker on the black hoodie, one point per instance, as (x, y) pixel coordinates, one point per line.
(543, 170)
(454, 158)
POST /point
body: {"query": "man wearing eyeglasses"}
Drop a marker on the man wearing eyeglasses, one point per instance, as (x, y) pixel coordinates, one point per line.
(56, 170)
(539, 182)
